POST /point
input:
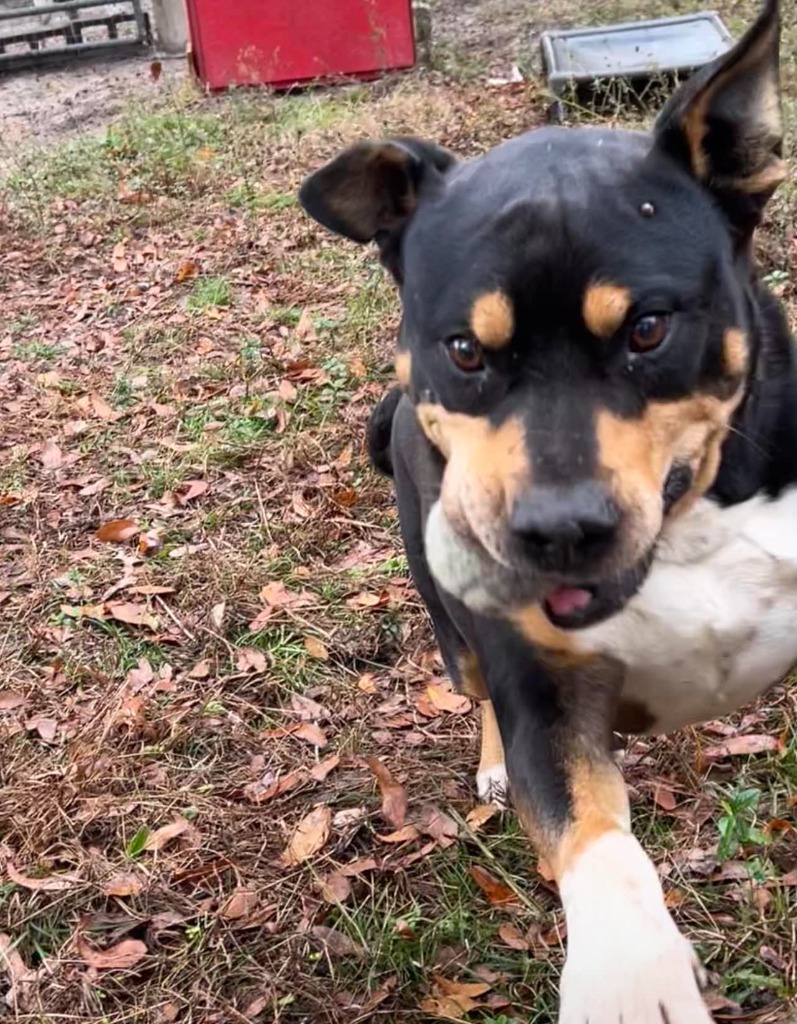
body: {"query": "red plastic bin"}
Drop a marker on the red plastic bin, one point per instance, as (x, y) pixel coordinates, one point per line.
(289, 42)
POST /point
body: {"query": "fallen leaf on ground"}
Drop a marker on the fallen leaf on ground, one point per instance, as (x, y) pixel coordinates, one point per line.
(187, 268)
(664, 796)
(132, 614)
(51, 455)
(394, 796)
(310, 835)
(461, 990)
(496, 891)
(403, 835)
(126, 883)
(335, 887)
(52, 883)
(320, 771)
(10, 699)
(163, 835)
(480, 815)
(260, 791)
(445, 699)
(442, 1008)
(217, 614)
(311, 733)
(122, 956)
(240, 904)
(511, 936)
(357, 867)
(736, 746)
(439, 826)
(315, 648)
(308, 710)
(189, 490)
(250, 659)
(117, 530)
(336, 942)
(45, 727)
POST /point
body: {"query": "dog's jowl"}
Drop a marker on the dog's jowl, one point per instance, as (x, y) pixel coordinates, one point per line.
(594, 447)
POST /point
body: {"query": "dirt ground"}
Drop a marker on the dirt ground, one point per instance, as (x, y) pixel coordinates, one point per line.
(235, 785)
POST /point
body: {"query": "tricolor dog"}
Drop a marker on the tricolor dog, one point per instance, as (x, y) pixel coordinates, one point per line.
(594, 447)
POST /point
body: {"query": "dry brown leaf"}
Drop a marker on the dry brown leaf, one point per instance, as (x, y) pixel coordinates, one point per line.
(381, 994)
(403, 835)
(496, 891)
(366, 683)
(439, 826)
(260, 791)
(149, 543)
(250, 659)
(460, 989)
(52, 883)
(141, 675)
(51, 455)
(189, 490)
(239, 904)
(335, 887)
(358, 867)
(394, 796)
(287, 391)
(480, 815)
(336, 942)
(201, 670)
(217, 613)
(116, 531)
(126, 883)
(10, 699)
(85, 611)
(310, 835)
(122, 956)
(442, 1008)
(736, 746)
(45, 727)
(12, 963)
(664, 796)
(305, 328)
(512, 937)
(444, 698)
(315, 648)
(186, 270)
(308, 710)
(320, 771)
(310, 732)
(163, 835)
(133, 614)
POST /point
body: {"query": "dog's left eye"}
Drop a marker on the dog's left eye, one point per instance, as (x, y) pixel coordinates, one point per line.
(465, 353)
(649, 331)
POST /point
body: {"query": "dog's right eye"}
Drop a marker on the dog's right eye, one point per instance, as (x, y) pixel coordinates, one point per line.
(465, 353)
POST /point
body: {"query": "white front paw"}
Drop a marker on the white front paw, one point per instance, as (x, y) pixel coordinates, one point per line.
(647, 978)
(627, 963)
(492, 785)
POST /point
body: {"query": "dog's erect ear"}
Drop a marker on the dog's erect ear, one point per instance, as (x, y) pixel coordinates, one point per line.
(725, 123)
(372, 187)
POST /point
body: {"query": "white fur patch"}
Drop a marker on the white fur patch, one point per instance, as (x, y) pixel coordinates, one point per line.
(715, 623)
(492, 784)
(626, 960)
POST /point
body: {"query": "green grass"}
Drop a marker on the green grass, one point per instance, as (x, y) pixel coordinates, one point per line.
(209, 293)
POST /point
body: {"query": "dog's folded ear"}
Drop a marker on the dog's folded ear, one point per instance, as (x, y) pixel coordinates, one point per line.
(373, 187)
(724, 124)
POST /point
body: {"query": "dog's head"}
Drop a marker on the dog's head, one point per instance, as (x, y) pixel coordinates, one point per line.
(577, 326)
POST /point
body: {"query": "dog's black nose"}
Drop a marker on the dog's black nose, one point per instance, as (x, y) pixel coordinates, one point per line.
(563, 528)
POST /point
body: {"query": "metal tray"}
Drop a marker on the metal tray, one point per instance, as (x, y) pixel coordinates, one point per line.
(632, 49)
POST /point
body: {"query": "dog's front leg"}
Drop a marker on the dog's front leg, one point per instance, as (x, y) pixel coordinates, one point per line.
(627, 962)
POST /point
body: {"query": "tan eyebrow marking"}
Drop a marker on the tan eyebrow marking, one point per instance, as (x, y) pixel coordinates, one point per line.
(604, 308)
(492, 319)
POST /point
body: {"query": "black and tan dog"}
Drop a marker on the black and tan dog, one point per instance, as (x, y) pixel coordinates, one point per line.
(595, 454)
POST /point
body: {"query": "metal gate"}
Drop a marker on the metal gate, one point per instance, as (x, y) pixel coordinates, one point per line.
(54, 30)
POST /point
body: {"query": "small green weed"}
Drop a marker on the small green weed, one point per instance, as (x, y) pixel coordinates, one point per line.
(208, 293)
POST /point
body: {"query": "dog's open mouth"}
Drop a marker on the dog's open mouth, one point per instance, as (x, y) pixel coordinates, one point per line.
(571, 606)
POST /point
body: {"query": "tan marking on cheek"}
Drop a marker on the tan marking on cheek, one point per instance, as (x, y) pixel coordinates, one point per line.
(638, 454)
(486, 465)
(492, 320)
(473, 683)
(403, 367)
(604, 308)
(734, 349)
(492, 748)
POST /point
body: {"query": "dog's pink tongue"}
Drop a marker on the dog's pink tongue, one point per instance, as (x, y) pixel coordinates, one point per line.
(566, 600)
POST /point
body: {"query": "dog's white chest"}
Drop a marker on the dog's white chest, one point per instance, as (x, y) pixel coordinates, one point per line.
(715, 623)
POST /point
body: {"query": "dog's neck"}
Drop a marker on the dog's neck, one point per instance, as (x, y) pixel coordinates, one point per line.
(760, 454)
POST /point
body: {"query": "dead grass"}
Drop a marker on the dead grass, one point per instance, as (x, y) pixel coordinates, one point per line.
(182, 349)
